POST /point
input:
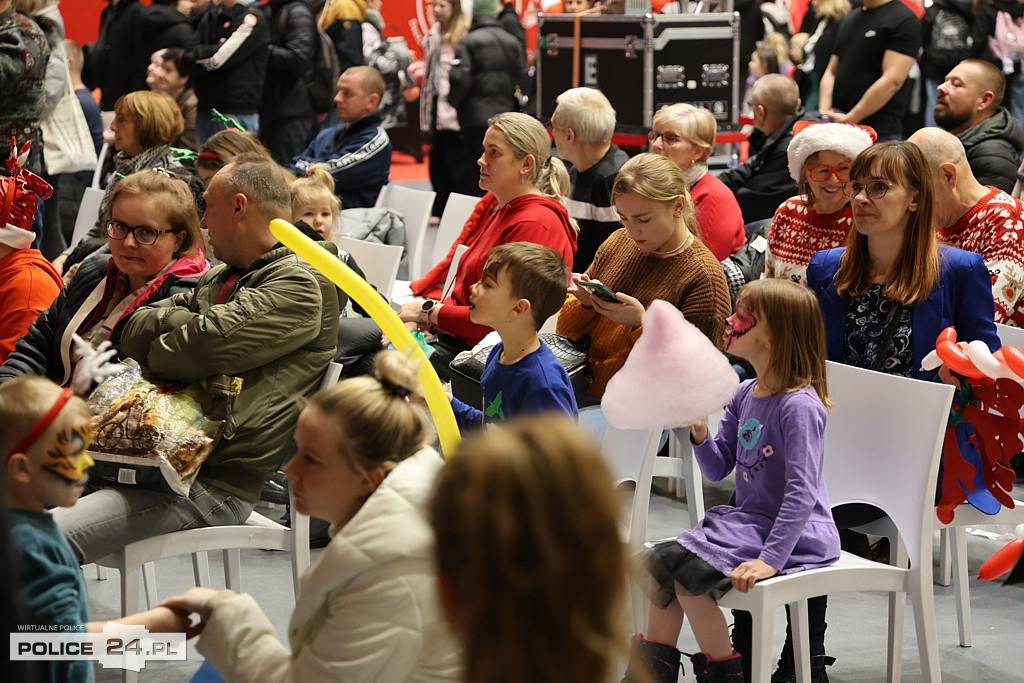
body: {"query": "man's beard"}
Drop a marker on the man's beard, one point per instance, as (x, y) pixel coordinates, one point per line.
(947, 119)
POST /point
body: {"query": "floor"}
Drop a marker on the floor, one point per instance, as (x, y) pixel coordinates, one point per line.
(856, 636)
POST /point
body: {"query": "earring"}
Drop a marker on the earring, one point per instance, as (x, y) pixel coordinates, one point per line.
(678, 214)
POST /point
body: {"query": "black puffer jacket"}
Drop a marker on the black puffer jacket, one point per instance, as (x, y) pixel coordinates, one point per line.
(164, 26)
(484, 73)
(229, 62)
(762, 182)
(291, 58)
(120, 56)
(994, 148)
(45, 348)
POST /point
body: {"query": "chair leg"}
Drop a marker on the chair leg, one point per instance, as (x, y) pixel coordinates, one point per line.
(233, 569)
(149, 582)
(801, 640)
(101, 573)
(761, 644)
(961, 589)
(897, 613)
(924, 623)
(201, 569)
(943, 578)
(694, 484)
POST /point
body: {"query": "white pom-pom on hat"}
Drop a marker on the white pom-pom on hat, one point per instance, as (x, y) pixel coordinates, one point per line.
(811, 137)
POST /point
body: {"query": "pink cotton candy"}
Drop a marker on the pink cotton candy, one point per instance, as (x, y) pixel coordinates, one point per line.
(673, 377)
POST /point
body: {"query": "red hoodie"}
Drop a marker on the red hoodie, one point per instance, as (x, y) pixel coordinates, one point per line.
(530, 218)
(28, 285)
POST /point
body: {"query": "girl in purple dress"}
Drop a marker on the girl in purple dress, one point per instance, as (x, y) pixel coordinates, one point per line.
(772, 434)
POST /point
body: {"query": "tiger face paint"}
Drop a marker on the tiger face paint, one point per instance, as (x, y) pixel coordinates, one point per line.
(65, 461)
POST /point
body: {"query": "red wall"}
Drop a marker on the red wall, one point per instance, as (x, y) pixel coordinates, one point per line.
(409, 18)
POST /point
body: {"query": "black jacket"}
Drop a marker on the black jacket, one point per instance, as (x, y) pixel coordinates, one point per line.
(762, 182)
(291, 52)
(164, 26)
(484, 73)
(994, 148)
(120, 56)
(229, 76)
(39, 351)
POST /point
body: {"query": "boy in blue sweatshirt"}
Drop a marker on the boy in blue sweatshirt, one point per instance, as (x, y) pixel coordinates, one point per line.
(523, 284)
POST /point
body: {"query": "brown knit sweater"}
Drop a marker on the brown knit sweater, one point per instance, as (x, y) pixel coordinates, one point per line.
(691, 280)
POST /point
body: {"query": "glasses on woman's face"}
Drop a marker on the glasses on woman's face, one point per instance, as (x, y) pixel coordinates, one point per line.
(143, 234)
(876, 189)
(669, 139)
(821, 173)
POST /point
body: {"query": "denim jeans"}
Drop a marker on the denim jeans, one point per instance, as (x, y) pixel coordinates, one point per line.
(106, 520)
(206, 126)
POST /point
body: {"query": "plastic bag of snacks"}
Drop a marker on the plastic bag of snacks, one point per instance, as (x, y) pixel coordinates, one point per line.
(157, 435)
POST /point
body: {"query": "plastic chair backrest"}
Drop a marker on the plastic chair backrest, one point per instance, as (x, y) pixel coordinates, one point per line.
(883, 441)
(88, 213)
(1010, 336)
(453, 270)
(97, 174)
(379, 262)
(415, 206)
(629, 454)
(457, 211)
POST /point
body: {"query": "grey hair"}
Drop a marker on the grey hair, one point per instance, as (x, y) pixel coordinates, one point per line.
(260, 179)
(588, 112)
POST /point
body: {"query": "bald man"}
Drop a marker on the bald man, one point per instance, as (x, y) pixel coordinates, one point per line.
(968, 105)
(978, 218)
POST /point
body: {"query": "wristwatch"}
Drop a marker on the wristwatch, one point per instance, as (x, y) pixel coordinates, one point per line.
(427, 307)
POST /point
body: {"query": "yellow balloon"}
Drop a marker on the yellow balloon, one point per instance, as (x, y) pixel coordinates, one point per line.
(356, 287)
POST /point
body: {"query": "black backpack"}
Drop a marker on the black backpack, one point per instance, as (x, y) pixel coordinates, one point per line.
(322, 79)
(949, 41)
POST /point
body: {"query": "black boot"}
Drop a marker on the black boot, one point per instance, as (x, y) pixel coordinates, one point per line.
(659, 661)
(816, 625)
(723, 671)
(742, 627)
(818, 675)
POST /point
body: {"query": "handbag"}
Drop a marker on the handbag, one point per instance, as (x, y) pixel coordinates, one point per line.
(67, 142)
(467, 370)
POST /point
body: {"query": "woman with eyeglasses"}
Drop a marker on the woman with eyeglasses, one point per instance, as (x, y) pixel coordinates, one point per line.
(686, 135)
(156, 250)
(820, 156)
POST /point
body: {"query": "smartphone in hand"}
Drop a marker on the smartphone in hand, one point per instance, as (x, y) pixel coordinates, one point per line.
(598, 289)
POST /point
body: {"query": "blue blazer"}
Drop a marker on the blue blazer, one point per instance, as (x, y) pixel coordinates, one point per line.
(963, 299)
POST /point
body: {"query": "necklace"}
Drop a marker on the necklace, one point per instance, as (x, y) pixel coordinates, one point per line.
(682, 245)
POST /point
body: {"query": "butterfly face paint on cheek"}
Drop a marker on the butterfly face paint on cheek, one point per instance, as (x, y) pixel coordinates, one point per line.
(67, 458)
(739, 323)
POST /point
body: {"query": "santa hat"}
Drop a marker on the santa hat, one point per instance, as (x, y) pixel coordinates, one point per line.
(811, 137)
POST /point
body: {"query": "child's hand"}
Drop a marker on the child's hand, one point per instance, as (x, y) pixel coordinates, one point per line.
(194, 600)
(699, 431)
(747, 574)
(163, 619)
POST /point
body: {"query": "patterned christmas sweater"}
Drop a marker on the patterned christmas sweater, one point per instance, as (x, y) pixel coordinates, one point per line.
(797, 232)
(994, 229)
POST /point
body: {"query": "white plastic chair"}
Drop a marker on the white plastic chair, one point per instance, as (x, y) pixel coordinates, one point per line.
(415, 206)
(379, 262)
(883, 444)
(457, 211)
(630, 456)
(88, 213)
(953, 545)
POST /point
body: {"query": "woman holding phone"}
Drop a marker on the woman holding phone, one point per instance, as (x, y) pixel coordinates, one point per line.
(655, 255)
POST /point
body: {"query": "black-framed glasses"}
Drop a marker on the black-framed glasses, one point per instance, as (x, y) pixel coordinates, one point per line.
(143, 234)
(668, 138)
(876, 189)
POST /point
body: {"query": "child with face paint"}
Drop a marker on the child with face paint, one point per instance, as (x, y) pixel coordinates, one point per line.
(772, 434)
(44, 433)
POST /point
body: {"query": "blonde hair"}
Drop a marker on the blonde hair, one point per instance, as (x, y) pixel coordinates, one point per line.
(797, 356)
(526, 135)
(777, 42)
(696, 124)
(588, 112)
(458, 27)
(25, 399)
(833, 9)
(379, 427)
(317, 183)
(657, 178)
(526, 520)
(156, 117)
(177, 204)
(224, 145)
(916, 271)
